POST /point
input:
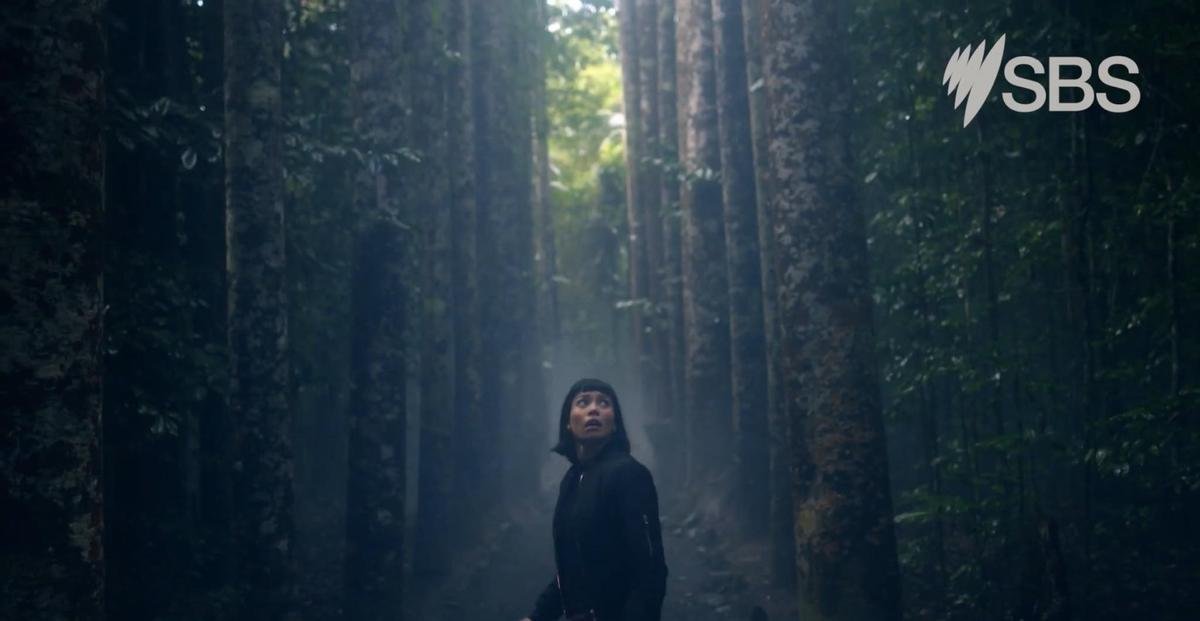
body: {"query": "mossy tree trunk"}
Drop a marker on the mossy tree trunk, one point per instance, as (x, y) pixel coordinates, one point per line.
(635, 212)
(748, 371)
(705, 290)
(460, 169)
(656, 390)
(436, 470)
(668, 144)
(846, 547)
(160, 226)
(783, 542)
(376, 484)
(51, 205)
(504, 186)
(257, 306)
(545, 249)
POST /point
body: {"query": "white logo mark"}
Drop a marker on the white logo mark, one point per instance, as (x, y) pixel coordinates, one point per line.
(973, 76)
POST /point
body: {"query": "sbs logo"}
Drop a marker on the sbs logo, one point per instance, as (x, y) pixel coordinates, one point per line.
(970, 75)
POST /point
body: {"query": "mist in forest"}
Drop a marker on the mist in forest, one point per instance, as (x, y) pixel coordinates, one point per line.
(293, 292)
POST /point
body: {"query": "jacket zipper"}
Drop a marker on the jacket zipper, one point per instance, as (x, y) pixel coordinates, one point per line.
(579, 551)
(649, 543)
(562, 601)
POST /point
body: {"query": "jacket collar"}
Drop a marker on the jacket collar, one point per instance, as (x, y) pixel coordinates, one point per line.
(608, 452)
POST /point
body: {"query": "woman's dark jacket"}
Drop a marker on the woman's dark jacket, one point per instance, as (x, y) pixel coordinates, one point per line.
(607, 543)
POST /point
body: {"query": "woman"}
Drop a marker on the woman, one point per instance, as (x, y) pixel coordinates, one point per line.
(607, 538)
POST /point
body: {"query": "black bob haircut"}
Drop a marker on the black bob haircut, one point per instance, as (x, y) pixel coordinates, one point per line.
(566, 441)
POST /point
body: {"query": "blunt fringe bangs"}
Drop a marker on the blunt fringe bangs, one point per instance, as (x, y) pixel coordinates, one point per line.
(566, 441)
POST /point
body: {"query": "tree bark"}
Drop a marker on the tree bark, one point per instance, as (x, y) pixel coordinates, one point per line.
(435, 474)
(669, 214)
(376, 481)
(152, 243)
(846, 551)
(460, 168)
(504, 180)
(783, 541)
(635, 207)
(545, 252)
(748, 363)
(257, 306)
(705, 292)
(655, 330)
(51, 556)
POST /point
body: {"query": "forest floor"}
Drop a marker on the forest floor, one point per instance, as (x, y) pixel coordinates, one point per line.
(710, 577)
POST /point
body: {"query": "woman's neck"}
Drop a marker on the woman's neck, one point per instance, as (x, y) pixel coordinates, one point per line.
(586, 451)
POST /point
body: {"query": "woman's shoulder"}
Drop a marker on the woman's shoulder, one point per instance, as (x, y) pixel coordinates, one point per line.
(625, 467)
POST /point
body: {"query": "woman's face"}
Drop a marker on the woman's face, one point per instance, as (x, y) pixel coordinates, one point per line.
(592, 418)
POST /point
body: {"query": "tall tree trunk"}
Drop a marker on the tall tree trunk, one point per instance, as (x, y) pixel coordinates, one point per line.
(257, 306)
(51, 558)
(376, 482)
(636, 213)
(460, 169)
(783, 541)
(435, 484)
(545, 252)
(151, 413)
(485, 48)
(748, 362)
(928, 393)
(504, 179)
(656, 391)
(705, 293)
(376, 486)
(668, 141)
(215, 503)
(846, 550)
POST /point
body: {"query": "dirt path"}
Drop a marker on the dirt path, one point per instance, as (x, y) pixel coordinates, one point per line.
(499, 579)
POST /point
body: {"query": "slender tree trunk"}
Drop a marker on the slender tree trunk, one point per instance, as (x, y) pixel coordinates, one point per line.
(601, 245)
(486, 46)
(928, 415)
(460, 169)
(748, 370)
(783, 541)
(671, 278)
(1175, 378)
(635, 192)
(1090, 406)
(51, 557)
(435, 483)
(375, 490)
(257, 306)
(460, 162)
(705, 292)
(656, 333)
(545, 252)
(683, 80)
(216, 505)
(376, 483)
(846, 550)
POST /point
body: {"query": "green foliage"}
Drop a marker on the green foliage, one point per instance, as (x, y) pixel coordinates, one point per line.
(584, 101)
(587, 167)
(1039, 356)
